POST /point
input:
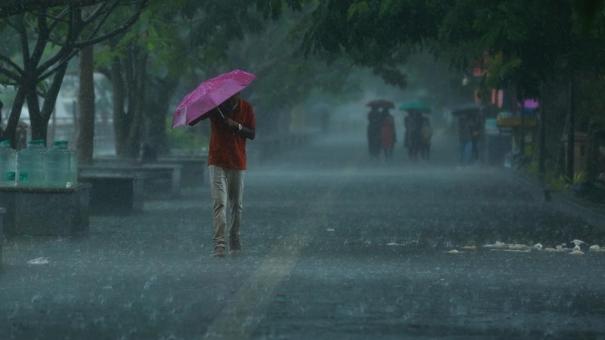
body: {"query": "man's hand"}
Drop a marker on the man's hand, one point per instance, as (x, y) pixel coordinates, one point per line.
(232, 124)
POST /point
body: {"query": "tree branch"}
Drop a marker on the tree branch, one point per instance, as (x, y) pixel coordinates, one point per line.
(58, 19)
(11, 63)
(58, 65)
(97, 12)
(67, 48)
(10, 74)
(14, 7)
(51, 94)
(24, 41)
(42, 39)
(104, 19)
(117, 31)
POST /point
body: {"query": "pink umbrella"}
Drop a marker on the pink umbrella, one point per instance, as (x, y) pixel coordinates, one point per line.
(208, 95)
(531, 104)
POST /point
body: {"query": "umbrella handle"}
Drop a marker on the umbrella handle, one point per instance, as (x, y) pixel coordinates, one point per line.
(221, 112)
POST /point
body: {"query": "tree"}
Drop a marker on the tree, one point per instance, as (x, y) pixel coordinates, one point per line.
(173, 45)
(86, 103)
(526, 44)
(48, 38)
(15, 7)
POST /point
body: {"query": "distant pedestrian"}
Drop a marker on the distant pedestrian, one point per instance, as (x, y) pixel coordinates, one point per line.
(374, 125)
(388, 135)
(426, 133)
(475, 130)
(464, 138)
(413, 137)
(231, 124)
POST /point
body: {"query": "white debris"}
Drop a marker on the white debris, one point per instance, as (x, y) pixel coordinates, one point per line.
(576, 252)
(527, 250)
(561, 248)
(514, 247)
(577, 242)
(538, 246)
(596, 248)
(550, 250)
(38, 260)
(469, 247)
(394, 244)
(518, 246)
(454, 251)
(330, 230)
(498, 244)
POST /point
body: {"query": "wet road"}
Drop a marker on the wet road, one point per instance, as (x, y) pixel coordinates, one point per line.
(335, 247)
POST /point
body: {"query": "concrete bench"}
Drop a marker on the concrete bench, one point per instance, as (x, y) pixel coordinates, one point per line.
(192, 169)
(114, 193)
(2, 212)
(156, 177)
(45, 211)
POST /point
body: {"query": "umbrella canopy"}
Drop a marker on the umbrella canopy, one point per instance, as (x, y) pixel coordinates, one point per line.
(208, 95)
(531, 104)
(466, 110)
(381, 103)
(415, 105)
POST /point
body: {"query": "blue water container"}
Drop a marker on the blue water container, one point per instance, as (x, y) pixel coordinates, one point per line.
(31, 165)
(62, 166)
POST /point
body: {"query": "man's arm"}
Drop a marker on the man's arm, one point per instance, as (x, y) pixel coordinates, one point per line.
(246, 132)
(240, 129)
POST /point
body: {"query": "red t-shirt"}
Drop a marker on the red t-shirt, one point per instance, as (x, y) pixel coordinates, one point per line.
(227, 148)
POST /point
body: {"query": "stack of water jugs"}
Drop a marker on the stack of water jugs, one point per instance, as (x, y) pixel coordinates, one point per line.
(37, 166)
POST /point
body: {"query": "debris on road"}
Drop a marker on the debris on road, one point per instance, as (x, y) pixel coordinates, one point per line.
(38, 261)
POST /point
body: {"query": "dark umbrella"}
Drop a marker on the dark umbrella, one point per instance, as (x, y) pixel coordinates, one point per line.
(381, 103)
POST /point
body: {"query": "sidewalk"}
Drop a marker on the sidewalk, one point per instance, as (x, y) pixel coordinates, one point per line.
(566, 202)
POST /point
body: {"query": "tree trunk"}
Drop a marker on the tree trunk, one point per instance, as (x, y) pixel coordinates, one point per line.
(129, 76)
(119, 100)
(38, 125)
(157, 107)
(136, 101)
(592, 152)
(10, 131)
(40, 116)
(86, 102)
(571, 132)
(542, 142)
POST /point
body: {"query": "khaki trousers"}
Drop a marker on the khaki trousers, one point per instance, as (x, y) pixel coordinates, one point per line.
(227, 189)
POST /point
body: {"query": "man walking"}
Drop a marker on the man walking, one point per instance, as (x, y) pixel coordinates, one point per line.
(231, 124)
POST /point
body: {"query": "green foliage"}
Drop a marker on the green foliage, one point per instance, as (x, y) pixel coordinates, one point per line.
(188, 140)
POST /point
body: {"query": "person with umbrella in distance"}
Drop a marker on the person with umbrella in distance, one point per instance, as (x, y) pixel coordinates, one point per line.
(232, 122)
(376, 117)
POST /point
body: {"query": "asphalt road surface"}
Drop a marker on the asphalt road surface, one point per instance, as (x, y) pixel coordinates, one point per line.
(335, 246)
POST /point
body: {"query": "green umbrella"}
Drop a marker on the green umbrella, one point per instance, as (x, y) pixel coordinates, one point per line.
(415, 105)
